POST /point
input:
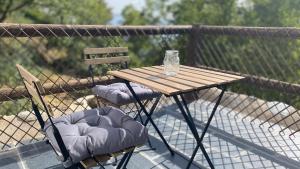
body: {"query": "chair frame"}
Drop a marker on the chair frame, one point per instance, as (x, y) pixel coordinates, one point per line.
(36, 92)
(123, 60)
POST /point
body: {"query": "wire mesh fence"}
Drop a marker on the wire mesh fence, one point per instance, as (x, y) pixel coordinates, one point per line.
(54, 54)
(268, 57)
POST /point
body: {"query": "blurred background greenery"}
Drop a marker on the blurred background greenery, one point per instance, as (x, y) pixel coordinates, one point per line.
(63, 55)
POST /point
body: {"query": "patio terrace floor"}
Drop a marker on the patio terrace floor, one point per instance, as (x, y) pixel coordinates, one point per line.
(230, 142)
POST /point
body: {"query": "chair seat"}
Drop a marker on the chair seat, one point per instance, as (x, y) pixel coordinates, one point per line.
(119, 94)
(98, 131)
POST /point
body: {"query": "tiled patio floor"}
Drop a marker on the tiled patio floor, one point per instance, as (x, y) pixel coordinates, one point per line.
(230, 142)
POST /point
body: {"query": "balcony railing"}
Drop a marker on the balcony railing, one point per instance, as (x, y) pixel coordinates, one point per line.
(269, 57)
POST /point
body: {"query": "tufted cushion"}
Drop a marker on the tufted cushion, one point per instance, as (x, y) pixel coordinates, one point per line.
(119, 94)
(97, 131)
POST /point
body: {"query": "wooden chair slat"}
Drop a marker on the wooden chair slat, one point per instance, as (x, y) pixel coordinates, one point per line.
(30, 81)
(27, 76)
(94, 51)
(107, 60)
(90, 162)
(33, 93)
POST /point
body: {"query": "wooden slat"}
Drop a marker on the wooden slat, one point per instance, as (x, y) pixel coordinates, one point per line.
(30, 82)
(27, 76)
(213, 72)
(155, 72)
(35, 96)
(193, 79)
(207, 74)
(90, 162)
(186, 80)
(93, 51)
(159, 80)
(107, 60)
(148, 83)
(33, 93)
(210, 78)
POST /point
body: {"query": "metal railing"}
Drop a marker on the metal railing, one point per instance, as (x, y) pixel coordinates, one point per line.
(35, 46)
(267, 56)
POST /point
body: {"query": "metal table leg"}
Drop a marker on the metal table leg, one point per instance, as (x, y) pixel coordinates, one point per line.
(188, 118)
(148, 115)
(152, 109)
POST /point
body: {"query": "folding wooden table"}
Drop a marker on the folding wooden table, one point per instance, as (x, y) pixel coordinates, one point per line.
(188, 79)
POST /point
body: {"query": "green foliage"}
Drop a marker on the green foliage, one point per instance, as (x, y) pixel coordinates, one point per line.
(214, 12)
(271, 13)
(65, 12)
(7, 7)
(63, 55)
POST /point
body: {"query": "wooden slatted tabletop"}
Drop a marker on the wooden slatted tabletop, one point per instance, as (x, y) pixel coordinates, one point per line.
(187, 79)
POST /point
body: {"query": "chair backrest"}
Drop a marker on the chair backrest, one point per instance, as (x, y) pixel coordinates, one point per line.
(34, 88)
(109, 55)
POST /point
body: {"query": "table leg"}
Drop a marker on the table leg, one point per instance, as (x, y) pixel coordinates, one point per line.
(152, 109)
(148, 115)
(188, 118)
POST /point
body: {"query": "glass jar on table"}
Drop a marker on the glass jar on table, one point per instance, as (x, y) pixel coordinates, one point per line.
(171, 62)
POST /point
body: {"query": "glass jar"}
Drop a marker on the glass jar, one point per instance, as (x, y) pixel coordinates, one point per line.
(171, 62)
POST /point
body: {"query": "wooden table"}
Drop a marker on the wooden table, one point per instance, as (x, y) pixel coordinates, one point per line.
(188, 79)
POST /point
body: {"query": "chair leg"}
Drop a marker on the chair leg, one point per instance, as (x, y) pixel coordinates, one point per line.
(142, 121)
(127, 160)
(122, 160)
(75, 166)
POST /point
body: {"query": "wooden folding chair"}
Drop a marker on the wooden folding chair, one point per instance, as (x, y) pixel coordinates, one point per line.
(119, 56)
(101, 56)
(114, 55)
(54, 130)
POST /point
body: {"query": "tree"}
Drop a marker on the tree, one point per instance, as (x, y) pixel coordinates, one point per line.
(10, 6)
(148, 50)
(271, 13)
(213, 12)
(58, 55)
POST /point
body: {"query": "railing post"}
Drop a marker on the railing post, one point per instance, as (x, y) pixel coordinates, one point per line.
(193, 56)
(194, 47)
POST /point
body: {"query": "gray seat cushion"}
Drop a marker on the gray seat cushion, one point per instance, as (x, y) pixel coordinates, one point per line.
(97, 131)
(119, 94)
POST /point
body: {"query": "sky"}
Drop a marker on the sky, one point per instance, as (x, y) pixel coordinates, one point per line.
(118, 5)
